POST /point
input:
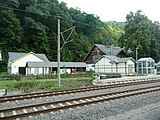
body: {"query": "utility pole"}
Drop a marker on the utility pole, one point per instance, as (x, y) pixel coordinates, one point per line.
(137, 60)
(58, 50)
(112, 58)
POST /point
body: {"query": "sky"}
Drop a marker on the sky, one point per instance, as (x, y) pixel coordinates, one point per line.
(109, 10)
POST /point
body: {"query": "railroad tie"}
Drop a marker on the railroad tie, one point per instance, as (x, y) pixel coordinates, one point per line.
(2, 114)
(68, 103)
(104, 97)
(94, 99)
(17, 118)
(44, 107)
(52, 112)
(53, 106)
(88, 100)
(82, 101)
(14, 112)
(75, 102)
(100, 98)
(30, 116)
(106, 101)
(25, 111)
(61, 104)
(35, 109)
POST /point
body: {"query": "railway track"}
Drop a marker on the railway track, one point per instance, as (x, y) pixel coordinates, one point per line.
(30, 110)
(78, 90)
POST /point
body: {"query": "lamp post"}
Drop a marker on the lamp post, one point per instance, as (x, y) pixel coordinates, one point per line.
(112, 58)
(98, 59)
(137, 60)
(58, 52)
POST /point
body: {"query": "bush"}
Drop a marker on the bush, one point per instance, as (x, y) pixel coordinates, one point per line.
(17, 77)
(26, 86)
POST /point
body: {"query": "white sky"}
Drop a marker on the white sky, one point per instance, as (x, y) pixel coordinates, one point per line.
(117, 10)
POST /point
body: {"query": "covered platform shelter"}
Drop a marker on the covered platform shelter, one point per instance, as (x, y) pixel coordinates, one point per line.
(146, 66)
(51, 67)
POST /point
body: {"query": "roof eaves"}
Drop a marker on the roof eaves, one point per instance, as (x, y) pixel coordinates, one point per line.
(18, 58)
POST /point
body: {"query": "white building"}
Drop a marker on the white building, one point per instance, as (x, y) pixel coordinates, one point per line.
(65, 67)
(146, 66)
(17, 63)
(114, 64)
(37, 64)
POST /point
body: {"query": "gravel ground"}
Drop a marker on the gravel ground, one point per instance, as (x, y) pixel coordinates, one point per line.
(142, 107)
(62, 97)
(130, 108)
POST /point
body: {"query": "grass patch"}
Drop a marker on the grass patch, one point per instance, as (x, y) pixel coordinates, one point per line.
(44, 84)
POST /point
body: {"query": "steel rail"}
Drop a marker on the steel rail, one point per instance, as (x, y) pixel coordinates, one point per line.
(77, 90)
(75, 99)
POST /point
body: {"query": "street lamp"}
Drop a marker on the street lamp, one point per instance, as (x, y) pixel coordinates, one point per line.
(112, 58)
(98, 59)
(137, 60)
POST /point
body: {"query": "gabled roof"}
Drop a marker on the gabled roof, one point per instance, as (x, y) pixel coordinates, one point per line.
(55, 64)
(146, 59)
(13, 56)
(116, 59)
(107, 50)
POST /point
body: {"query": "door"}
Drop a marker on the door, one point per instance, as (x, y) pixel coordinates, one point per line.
(22, 70)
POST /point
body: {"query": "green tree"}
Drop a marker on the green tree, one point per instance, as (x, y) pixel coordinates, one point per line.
(139, 32)
(10, 32)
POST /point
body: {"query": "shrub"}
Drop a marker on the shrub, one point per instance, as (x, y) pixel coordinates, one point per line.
(26, 85)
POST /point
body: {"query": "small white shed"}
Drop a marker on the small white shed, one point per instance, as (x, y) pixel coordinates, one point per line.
(146, 66)
(114, 64)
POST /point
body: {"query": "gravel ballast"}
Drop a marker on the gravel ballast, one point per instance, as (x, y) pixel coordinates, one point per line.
(121, 109)
(141, 107)
(68, 96)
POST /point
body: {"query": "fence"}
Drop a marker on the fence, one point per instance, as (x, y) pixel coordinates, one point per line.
(54, 76)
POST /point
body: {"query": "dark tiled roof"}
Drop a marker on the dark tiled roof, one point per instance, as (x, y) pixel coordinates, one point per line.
(107, 50)
(16, 55)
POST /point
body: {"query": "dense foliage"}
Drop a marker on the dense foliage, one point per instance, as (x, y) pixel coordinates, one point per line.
(142, 33)
(31, 25)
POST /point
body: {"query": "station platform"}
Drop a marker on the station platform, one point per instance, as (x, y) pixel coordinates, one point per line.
(125, 79)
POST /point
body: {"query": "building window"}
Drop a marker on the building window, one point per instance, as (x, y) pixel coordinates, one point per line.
(36, 71)
(130, 70)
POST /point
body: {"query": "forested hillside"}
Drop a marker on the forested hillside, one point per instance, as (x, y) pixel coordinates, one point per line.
(115, 29)
(31, 25)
